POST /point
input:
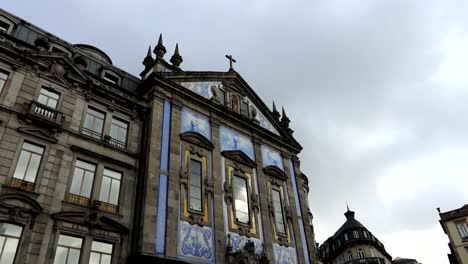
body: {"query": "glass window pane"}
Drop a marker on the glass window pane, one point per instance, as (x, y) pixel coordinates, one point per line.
(87, 184)
(10, 230)
(195, 167)
(114, 192)
(85, 165)
(101, 247)
(70, 241)
(33, 148)
(73, 256)
(105, 187)
(113, 174)
(242, 206)
(105, 259)
(242, 217)
(33, 168)
(76, 181)
(240, 194)
(61, 255)
(23, 160)
(195, 192)
(89, 120)
(195, 204)
(9, 250)
(94, 258)
(98, 123)
(240, 183)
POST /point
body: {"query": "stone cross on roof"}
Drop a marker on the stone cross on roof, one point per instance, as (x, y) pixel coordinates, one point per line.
(231, 60)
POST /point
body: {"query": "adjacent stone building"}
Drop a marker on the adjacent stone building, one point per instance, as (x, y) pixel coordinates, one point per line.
(173, 166)
(455, 225)
(353, 243)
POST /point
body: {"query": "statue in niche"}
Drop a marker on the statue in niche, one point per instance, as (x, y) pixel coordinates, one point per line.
(235, 103)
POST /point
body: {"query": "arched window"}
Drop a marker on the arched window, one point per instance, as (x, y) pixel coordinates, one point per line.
(9, 239)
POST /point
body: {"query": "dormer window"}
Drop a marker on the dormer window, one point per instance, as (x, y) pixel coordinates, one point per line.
(54, 48)
(4, 27)
(356, 234)
(112, 78)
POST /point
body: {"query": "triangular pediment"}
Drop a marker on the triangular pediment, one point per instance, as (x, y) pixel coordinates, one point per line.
(38, 132)
(62, 67)
(239, 156)
(213, 85)
(90, 218)
(197, 139)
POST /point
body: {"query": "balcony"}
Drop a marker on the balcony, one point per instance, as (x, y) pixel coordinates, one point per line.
(47, 115)
(371, 260)
(20, 184)
(104, 138)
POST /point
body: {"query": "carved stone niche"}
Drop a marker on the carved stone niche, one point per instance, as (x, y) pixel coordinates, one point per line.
(17, 207)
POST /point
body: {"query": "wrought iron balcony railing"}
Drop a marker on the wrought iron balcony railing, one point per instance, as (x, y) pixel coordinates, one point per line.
(104, 138)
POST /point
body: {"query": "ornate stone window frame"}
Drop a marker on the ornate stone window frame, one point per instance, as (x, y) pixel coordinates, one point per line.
(195, 146)
(277, 180)
(9, 22)
(239, 164)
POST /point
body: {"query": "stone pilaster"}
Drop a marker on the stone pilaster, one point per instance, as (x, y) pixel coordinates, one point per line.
(172, 230)
(263, 196)
(292, 204)
(148, 231)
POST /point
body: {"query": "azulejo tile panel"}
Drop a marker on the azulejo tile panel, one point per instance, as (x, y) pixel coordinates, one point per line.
(284, 255)
(202, 88)
(271, 157)
(233, 140)
(196, 243)
(193, 121)
(262, 119)
(238, 242)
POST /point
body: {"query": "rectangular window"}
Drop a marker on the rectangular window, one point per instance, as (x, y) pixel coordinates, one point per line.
(28, 162)
(361, 253)
(3, 79)
(48, 97)
(83, 177)
(110, 187)
(463, 229)
(9, 240)
(356, 234)
(346, 236)
(111, 78)
(4, 27)
(365, 233)
(68, 250)
(94, 122)
(350, 255)
(195, 189)
(241, 202)
(278, 207)
(372, 252)
(101, 253)
(118, 132)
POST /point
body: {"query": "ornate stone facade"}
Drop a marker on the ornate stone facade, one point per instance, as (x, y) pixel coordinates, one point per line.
(173, 166)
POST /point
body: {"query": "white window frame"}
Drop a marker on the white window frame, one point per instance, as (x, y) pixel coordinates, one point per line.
(360, 253)
(100, 253)
(9, 240)
(68, 248)
(119, 79)
(106, 194)
(46, 94)
(84, 168)
(92, 132)
(11, 25)
(28, 154)
(119, 130)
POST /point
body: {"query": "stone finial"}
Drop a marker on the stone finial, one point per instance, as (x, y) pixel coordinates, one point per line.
(159, 50)
(285, 122)
(276, 114)
(148, 60)
(176, 59)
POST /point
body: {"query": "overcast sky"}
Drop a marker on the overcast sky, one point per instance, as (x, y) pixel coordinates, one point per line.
(377, 92)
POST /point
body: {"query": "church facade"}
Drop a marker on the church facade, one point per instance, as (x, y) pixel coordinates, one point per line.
(172, 166)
